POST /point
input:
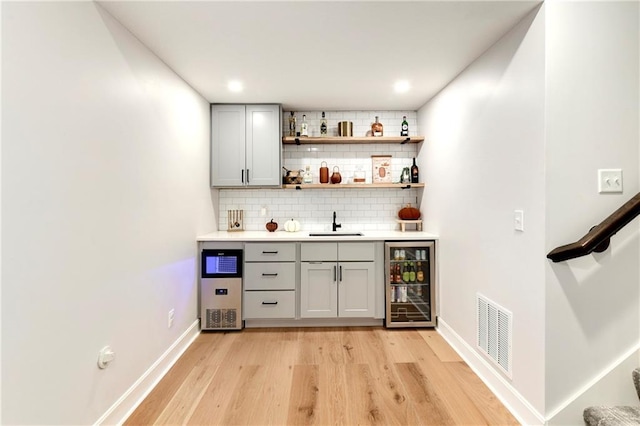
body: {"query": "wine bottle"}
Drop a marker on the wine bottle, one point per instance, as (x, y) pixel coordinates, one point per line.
(398, 273)
(292, 124)
(414, 172)
(412, 273)
(405, 272)
(376, 128)
(304, 127)
(405, 126)
(323, 125)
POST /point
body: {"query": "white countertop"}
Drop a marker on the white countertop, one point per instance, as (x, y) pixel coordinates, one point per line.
(304, 236)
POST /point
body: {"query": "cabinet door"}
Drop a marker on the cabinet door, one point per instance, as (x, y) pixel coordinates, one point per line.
(318, 290)
(356, 289)
(263, 145)
(228, 145)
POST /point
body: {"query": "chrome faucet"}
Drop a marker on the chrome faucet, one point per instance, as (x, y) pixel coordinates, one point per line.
(335, 225)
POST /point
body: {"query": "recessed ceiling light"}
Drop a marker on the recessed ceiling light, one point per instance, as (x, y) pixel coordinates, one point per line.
(235, 86)
(401, 86)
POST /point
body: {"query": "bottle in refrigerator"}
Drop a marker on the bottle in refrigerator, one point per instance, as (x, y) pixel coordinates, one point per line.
(405, 272)
(412, 273)
(398, 274)
(419, 273)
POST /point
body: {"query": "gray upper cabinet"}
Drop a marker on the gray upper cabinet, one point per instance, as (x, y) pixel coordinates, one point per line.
(245, 145)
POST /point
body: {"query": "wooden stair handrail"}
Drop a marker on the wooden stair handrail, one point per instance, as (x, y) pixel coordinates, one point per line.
(598, 237)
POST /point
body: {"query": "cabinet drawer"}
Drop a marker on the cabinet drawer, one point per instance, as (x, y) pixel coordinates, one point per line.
(316, 252)
(269, 304)
(270, 252)
(270, 276)
(357, 252)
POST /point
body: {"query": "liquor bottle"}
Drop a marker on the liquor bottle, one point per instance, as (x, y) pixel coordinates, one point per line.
(292, 124)
(376, 128)
(307, 177)
(398, 273)
(323, 125)
(405, 126)
(414, 172)
(304, 127)
(405, 272)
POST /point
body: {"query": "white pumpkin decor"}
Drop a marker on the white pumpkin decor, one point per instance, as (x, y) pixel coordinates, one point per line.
(292, 225)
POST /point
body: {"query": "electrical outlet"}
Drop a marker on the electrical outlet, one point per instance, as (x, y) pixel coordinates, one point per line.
(171, 316)
(609, 180)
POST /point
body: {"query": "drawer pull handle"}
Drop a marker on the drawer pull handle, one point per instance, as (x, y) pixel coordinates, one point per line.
(269, 275)
(269, 252)
(270, 303)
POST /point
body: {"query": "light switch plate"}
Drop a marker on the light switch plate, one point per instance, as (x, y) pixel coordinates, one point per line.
(518, 220)
(609, 180)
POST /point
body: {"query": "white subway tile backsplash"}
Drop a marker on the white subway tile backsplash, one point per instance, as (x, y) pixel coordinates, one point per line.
(357, 209)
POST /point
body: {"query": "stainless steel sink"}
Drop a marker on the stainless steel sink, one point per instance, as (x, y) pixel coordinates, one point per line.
(336, 234)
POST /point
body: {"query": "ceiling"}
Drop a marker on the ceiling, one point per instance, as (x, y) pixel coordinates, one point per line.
(312, 55)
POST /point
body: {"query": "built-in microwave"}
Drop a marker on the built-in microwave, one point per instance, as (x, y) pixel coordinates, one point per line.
(224, 263)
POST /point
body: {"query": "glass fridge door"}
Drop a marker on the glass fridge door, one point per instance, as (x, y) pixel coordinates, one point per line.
(410, 284)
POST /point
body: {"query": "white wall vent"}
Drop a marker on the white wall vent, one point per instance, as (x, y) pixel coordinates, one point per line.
(494, 332)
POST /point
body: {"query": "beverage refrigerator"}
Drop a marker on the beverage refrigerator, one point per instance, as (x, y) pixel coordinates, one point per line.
(410, 284)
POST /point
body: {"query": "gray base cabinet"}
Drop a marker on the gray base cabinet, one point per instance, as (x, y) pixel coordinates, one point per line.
(337, 280)
(270, 281)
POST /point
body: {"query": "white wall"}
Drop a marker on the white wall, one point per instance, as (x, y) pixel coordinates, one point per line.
(592, 303)
(483, 158)
(104, 188)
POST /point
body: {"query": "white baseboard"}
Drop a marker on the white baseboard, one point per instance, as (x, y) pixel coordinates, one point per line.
(127, 403)
(521, 409)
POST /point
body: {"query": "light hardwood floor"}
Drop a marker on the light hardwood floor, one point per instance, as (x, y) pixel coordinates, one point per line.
(321, 376)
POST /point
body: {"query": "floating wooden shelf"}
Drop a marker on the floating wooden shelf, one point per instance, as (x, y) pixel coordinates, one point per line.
(297, 140)
(353, 185)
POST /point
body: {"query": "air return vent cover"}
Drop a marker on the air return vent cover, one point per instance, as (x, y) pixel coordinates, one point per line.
(494, 332)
